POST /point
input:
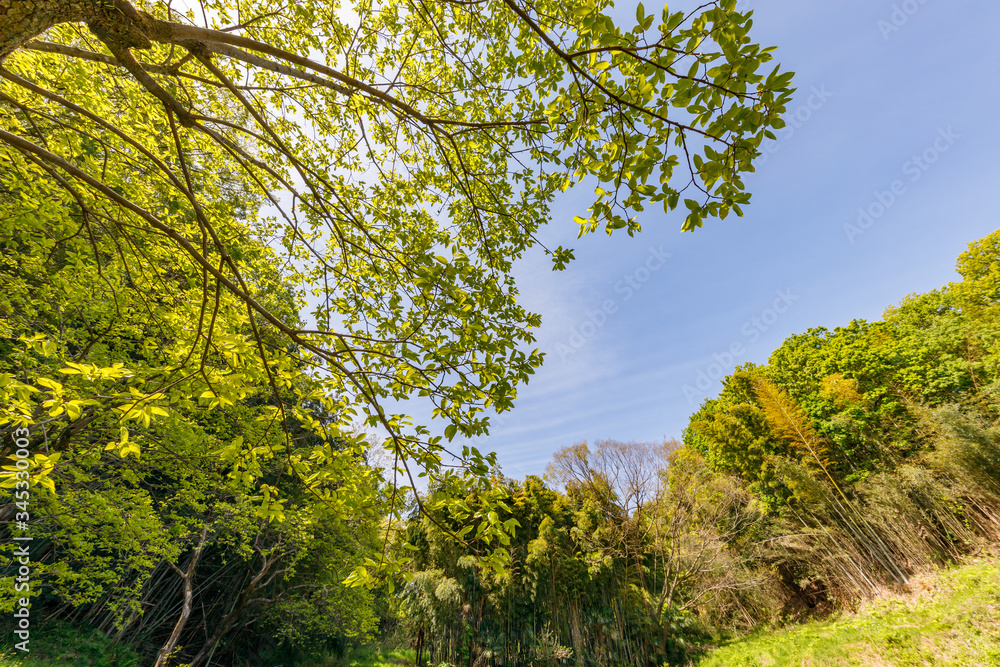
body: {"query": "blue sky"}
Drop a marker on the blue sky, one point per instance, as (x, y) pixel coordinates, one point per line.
(879, 83)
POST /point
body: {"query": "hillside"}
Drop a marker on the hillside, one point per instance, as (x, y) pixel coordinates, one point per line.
(948, 618)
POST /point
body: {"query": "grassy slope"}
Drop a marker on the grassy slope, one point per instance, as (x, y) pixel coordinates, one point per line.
(951, 618)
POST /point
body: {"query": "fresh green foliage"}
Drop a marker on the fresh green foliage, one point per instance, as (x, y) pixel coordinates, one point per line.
(152, 452)
(229, 249)
(186, 191)
(362, 657)
(875, 445)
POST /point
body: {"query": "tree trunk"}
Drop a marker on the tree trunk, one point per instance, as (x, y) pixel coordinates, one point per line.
(259, 580)
(576, 634)
(420, 645)
(188, 577)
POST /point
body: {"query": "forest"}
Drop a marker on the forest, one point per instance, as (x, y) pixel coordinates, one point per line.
(852, 460)
(258, 307)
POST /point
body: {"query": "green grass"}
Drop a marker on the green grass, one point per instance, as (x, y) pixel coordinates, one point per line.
(951, 618)
(60, 644)
(373, 658)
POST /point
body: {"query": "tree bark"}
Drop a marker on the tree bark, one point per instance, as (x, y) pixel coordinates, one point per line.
(117, 23)
(21, 20)
(188, 577)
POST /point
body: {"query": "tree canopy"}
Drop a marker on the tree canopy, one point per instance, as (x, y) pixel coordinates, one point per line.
(325, 201)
